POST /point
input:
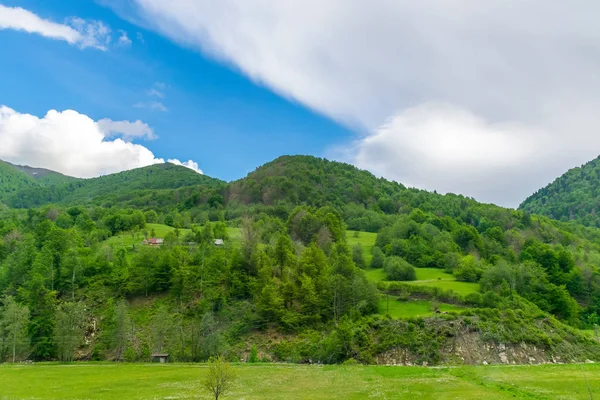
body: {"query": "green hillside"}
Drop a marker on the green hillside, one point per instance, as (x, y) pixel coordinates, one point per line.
(13, 180)
(312, 249)
(16, 178)
(312, 181)
(151, 186)
(573, 196)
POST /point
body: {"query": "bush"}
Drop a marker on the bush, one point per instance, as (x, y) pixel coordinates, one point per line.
(253, 357)
(475, 299)
(398, 269)
(378, 258)
(468, 270)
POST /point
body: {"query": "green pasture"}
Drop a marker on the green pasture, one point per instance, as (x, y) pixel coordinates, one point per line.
(365, 239)
(128, 239)
(433, 277)
(284, 381)
(412, 308)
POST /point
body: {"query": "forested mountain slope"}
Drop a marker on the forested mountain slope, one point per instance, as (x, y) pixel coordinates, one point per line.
(143, 184)
(290, 283)
(311, 181)
(573, 196)
(14, 178)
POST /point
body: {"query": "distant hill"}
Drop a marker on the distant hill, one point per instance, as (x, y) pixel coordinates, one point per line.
(15, 178)
(573, 196)
(119, 187)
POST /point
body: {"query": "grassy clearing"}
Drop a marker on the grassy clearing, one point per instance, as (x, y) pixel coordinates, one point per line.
(269, 381)
(128, 239)
(462, 288)
(365, 239)
(410, 309)
(430, 277)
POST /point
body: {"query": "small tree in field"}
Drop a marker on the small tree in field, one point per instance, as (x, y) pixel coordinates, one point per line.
(219, 377)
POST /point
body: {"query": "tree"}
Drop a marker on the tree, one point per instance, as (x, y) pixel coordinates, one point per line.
(358, 256)
(121, 329)
(70, 322)
(219, 378)
(13, 327)
(378, 258)
(161, 328)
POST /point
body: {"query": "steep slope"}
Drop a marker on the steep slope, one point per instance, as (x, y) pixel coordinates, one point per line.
(121, 186)
(573, 196)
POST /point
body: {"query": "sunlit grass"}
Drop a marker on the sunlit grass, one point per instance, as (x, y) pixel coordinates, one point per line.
(284, 381)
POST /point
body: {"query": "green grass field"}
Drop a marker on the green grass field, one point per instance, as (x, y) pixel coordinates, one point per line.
(272, 381)
(365, 239)
(128, 239)
(430, 277)
(410, 309)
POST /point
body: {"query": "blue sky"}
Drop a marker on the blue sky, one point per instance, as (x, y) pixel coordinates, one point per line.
(215, 115)
(491, 99)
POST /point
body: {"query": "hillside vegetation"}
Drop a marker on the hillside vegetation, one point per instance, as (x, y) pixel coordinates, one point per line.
(152, 186)
(311, 249)
(575, 196)
(16, 178)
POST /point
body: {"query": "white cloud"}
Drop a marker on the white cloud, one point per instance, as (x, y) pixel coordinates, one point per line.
(76, 32)
(155, 92)
(188, 164)
(71, 143)
(128, 130)
(508, 71)
(123, 40)
(441, 147)
(151, 105)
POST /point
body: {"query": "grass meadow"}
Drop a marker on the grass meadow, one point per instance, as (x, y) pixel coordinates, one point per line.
(284, 381)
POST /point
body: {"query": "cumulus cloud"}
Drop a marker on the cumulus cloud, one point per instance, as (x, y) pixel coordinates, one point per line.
(73, 144)
(188, 164)
(76, 31)
(151, 105)
(128, 130)
(510, 71)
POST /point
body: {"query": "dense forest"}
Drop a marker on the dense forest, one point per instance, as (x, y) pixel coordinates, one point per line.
(573, 196)
(290, 278)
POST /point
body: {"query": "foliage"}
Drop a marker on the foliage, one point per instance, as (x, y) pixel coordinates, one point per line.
(219, 378)
(398, 269)
(571, 197)
(288, 265)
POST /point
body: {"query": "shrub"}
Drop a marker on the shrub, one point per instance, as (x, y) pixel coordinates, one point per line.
(253, 357)
(398, 269)
(378, 258)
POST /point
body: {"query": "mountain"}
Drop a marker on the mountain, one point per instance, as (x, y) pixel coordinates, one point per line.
(503, 279)
(119, 187)
(312, 181)
(573, 196)
(14, 178)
